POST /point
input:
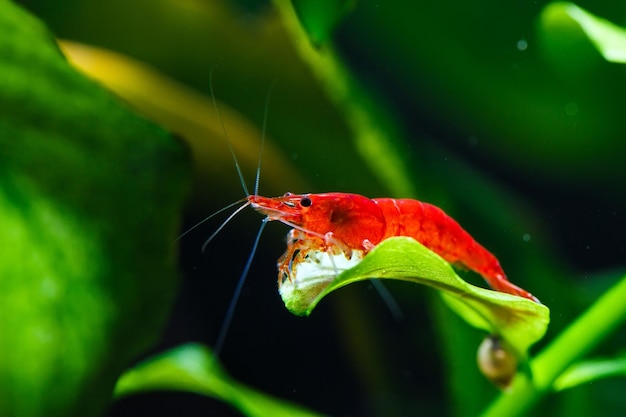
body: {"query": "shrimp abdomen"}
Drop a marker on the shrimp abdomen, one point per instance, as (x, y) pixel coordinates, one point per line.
(433, 228)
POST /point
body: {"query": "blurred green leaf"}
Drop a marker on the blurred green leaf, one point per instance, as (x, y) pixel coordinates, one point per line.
(90, 199)
(319, 17)
(589, 371)
(517, 320)
(607, 37)
(193, 368)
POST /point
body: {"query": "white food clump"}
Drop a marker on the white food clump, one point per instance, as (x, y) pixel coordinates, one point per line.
(311, 274)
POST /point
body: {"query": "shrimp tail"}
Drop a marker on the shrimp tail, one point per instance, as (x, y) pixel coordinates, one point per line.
(500, 283)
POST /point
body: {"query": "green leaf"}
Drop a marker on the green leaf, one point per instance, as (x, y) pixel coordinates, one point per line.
(608, 38)
(193, 368)
(319, 17)
(90, 200)
(517, 320)
(589, 371)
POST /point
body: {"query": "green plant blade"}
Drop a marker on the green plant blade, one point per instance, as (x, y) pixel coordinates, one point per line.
(608, 38)
(90, 201)
(193, 368)
(519, 321)
(589, 371)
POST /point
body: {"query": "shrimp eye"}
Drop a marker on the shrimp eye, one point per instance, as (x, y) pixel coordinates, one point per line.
(306, 202)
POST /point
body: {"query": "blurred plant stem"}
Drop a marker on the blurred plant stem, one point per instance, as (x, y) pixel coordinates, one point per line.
(573, 343)
(373, 129)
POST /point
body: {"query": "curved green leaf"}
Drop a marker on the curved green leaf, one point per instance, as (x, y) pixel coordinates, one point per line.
(519, 321)
(193, 368)
(90, 200)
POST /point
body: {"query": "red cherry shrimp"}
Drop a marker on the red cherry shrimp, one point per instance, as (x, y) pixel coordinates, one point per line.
(345, 223)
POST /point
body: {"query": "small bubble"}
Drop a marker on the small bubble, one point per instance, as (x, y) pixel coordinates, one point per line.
(472, 140)
(571, 109)
(522, 45)
(526, 237)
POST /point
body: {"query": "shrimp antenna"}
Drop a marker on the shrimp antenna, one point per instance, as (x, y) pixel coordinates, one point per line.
(388, 300)
(201, 222)
(224, 223)
(233, 301)
(263, 132)
(230, 145)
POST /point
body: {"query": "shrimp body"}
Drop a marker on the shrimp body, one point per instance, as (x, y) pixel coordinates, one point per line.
(351, 222)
